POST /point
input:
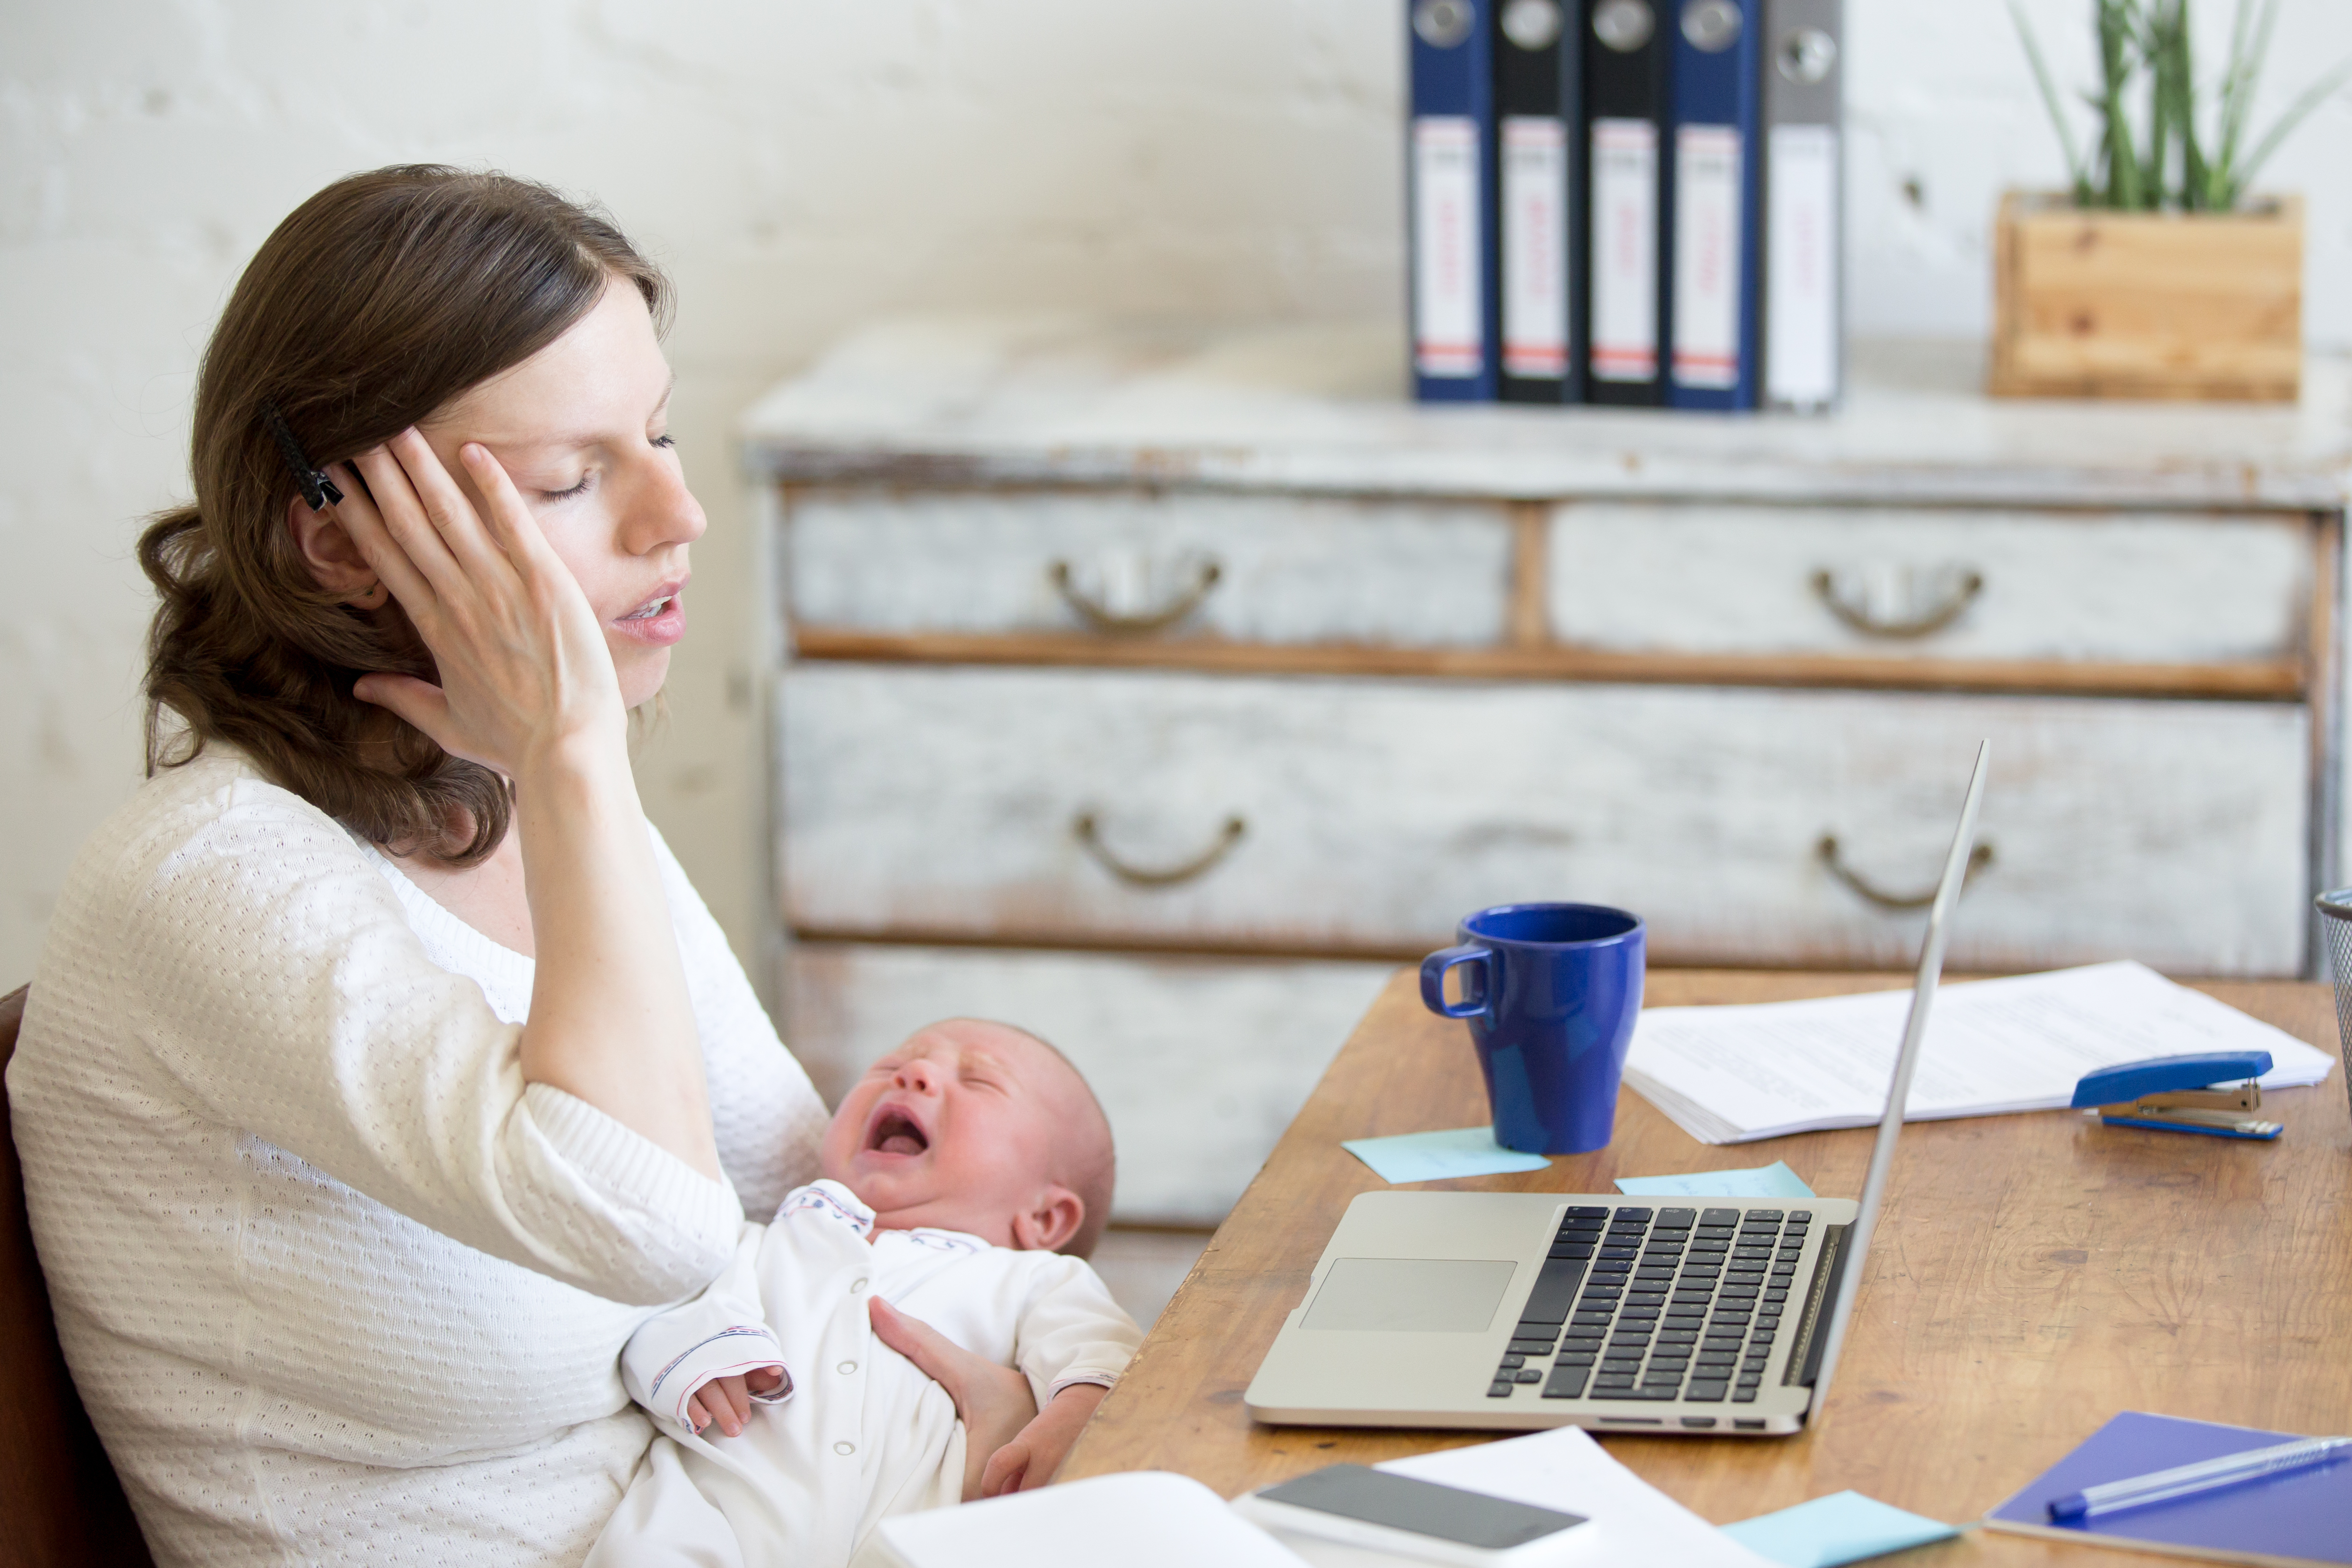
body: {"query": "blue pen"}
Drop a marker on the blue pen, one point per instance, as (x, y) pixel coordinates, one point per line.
(2206, 1476)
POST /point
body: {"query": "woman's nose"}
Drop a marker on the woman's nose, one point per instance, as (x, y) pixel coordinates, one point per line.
(665, 512)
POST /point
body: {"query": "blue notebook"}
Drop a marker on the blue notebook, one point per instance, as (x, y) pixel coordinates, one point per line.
(2303, 1517)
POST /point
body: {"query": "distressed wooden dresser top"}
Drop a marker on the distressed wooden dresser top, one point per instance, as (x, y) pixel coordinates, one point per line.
(1319, 406)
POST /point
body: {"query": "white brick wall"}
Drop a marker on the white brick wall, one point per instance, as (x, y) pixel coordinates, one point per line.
(801, 165)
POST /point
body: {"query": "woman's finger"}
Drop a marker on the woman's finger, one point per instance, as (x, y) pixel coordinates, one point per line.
(397, 503)
(452, 516)
(509, 517)
(377, 547)
(422, 703)
(919, 1343)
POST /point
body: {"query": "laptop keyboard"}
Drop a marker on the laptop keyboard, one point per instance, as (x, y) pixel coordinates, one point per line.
(1670, 1305)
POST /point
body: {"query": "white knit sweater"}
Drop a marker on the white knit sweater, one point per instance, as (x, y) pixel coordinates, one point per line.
(336, 1285)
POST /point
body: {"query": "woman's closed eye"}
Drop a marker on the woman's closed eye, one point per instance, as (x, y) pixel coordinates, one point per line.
(587, 482)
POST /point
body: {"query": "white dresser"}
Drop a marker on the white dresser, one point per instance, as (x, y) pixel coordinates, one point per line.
(1161, 690)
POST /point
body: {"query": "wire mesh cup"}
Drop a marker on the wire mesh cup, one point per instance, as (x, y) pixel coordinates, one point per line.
(2337, 909)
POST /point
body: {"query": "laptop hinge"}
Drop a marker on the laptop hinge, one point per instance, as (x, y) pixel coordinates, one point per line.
(1813, 1334)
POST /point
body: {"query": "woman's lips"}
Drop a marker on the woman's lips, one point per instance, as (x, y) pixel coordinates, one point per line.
(659, 622)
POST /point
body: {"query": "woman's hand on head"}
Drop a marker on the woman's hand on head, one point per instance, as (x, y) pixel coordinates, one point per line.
(524, 668)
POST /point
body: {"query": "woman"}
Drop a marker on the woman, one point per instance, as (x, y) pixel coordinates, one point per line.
(365, 1095)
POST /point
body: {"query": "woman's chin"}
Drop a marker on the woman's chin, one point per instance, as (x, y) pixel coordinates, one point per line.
(643, 671)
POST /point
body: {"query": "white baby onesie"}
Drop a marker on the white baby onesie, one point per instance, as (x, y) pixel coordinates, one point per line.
(860, 1432)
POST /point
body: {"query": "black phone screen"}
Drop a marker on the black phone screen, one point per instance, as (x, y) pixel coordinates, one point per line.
(1425, 1508)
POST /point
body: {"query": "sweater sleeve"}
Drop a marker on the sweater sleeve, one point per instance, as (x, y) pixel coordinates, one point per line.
(719, 1334)
(769, 1120)
(281, 992)
(1071, 1331)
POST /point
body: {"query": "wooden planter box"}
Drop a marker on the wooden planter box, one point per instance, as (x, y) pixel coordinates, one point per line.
(2108, 304)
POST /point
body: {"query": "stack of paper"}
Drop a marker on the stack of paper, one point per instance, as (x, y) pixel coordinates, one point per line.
(1632, 1522)
(1152, 1520)
(1729, 1075)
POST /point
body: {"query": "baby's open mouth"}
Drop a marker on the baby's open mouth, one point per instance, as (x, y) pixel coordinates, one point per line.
(896, 1133)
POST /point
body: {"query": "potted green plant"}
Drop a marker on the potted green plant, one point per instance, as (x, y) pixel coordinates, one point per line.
(2159, 273)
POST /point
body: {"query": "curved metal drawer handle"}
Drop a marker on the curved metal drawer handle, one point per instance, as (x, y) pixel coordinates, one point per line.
(1090, 837)
(1103, 618)
(1966, 586)
(1827, 852)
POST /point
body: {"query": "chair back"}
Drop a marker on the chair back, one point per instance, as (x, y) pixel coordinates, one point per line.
(60, 1500)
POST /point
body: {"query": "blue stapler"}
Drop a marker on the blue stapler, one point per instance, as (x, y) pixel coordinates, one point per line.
(2213, 1092)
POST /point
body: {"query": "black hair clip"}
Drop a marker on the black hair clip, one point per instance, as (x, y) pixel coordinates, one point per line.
(316, 489)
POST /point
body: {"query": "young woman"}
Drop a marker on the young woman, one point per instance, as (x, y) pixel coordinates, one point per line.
(366, 1092)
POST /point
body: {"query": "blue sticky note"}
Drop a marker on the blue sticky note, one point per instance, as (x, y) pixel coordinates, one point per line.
(1772, 1181)
(1435, 1156)
(1844, 1527)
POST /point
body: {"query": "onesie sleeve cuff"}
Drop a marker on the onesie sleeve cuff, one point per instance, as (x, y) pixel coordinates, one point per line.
(1075, 1379)
(733, 1351)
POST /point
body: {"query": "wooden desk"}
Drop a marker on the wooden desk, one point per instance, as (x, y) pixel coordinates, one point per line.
(2032, 1274)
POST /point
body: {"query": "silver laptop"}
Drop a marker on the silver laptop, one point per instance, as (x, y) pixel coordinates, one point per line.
(1528, 1310)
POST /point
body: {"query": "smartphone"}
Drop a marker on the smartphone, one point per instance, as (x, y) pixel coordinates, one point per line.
(1358, 1506)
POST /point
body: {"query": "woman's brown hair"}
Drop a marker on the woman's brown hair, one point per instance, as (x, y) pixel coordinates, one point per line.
(376, 302)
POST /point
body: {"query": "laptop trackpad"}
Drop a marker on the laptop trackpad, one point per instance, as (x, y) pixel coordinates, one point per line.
(1430, 1295)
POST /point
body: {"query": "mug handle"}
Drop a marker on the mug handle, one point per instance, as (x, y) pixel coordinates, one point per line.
(1432, 981)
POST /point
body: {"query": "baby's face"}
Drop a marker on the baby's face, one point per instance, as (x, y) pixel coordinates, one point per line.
(957, 1129)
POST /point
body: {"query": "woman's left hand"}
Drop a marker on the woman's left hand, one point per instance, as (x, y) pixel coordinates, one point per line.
(994, 1401)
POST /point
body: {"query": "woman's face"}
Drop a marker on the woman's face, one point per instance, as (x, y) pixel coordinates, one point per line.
(581, 427)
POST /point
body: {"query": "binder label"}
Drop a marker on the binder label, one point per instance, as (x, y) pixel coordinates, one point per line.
(1707, 257)
(1624, 249)
(1535, 247)
(1448, 303)
(1800, 266)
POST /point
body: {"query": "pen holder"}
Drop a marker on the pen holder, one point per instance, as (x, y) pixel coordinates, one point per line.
(2336, 916)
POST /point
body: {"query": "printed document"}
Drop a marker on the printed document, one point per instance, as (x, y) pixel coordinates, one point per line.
(1731, 1074)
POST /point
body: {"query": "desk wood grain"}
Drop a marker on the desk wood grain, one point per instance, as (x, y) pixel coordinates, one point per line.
(2032, 1276)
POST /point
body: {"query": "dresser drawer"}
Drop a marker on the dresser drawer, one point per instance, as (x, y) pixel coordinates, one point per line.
(2149, 588)
(1315, 815)
(1199, 1063)
(1259, 569)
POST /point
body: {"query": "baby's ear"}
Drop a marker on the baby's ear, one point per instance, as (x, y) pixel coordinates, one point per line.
(1051, 1220)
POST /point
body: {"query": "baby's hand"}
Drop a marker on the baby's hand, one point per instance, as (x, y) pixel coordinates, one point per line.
(727, 1400)
(1037, 1450)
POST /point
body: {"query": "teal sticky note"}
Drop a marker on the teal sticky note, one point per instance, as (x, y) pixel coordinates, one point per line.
(1772, 1181)
(1844, 1527)
(1435, 1156)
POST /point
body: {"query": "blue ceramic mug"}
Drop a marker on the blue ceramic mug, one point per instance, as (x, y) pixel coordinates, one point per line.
(1550, 992)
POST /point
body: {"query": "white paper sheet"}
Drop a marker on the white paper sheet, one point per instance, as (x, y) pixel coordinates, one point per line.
(1731, 1074)
(1566, 1470)
(1138, 1519)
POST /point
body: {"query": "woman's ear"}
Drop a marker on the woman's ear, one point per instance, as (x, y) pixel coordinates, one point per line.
(1051, 1220)
(334, 559)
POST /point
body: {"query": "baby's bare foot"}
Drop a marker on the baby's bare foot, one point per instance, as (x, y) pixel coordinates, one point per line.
(994, 1401)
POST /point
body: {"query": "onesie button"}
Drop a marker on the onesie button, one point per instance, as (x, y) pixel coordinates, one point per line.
(856, 1287)
(844, 1450)
(846, 1368)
